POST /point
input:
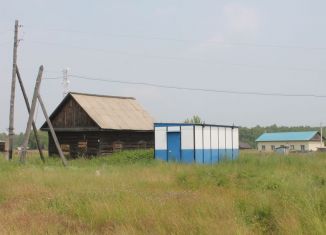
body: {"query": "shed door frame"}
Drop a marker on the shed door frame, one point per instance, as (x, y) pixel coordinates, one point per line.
(173, 136)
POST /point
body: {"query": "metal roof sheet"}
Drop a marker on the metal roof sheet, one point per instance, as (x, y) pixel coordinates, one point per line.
(190, 124)
(116, 113)
(287, 136)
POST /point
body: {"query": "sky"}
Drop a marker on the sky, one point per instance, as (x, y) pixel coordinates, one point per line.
(249, 46)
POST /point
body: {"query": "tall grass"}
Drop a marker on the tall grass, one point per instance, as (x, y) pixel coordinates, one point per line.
(130, 193)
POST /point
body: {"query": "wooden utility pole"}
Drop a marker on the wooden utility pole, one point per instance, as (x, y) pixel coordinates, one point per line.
(321, 136)
(29, 111)
(13, 88)
(31, 115)
(54, 136)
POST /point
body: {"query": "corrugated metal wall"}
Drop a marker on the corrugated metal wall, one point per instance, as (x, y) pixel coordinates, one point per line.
(203, 144)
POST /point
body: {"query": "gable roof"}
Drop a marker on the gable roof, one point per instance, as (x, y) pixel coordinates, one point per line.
(287, 136)
(112, 112)
(244, 145)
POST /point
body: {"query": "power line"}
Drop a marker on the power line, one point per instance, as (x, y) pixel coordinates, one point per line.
(234, 92)
(53, 78)
(263, 67)
(223, 43)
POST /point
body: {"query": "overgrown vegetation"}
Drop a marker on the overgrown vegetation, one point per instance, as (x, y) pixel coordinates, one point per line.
(130, 193)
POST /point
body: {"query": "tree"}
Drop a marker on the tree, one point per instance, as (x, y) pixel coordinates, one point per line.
(194, 120)
(43, 138)
(18, 139)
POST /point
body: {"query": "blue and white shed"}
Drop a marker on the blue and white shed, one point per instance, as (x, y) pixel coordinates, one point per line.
(196, 143)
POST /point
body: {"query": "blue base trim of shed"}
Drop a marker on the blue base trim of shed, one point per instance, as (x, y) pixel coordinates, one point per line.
(229, 154)
(187, 156)
(201, 156)
(212, 156)
(221, 155)
(207, 156)
(161, 155)
(236, 154)
(215, 157)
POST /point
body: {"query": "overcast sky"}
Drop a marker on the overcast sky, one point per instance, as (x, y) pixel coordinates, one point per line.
(274, 46)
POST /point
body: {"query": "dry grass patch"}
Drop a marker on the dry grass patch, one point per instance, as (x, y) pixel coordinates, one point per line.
(130, 193)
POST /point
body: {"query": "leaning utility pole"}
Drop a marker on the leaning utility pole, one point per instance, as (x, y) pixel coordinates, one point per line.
(54, 136)
(31, 116)
(31, 123)
(321, 136)
(20, 80)
(12, 98)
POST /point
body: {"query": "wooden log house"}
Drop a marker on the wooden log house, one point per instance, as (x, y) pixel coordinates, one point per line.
(92, 125)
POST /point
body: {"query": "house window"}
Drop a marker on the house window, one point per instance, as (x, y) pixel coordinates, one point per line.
(82, 148)
(117, 146)
(82, 144)
(303, 148)
(273, 147)
(263, 147)
(292, 147)
(65, 148)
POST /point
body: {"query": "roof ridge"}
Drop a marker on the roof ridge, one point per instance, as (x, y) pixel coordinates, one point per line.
(289, 132)
(287, 136)
(97, 95)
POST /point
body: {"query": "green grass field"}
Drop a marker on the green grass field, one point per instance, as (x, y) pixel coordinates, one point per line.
(130, 193)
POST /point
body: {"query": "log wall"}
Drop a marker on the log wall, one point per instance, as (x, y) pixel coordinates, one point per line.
(95, 143)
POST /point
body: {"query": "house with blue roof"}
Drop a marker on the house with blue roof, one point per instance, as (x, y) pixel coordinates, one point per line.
(293, 141)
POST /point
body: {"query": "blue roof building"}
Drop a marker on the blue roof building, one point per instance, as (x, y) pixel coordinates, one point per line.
(294, 141)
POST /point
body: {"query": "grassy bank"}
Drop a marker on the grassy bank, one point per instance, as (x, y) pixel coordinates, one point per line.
(130, 193)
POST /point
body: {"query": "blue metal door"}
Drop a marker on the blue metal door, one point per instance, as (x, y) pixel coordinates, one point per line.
(174, 146)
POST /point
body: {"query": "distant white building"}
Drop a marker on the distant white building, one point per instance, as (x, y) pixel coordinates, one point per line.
(293, 141)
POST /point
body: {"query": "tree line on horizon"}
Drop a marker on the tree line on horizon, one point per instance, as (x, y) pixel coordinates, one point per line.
(18, 139)
(250, 134)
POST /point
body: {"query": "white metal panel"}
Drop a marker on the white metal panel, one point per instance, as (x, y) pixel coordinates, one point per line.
(187, 137)
(173, 128)
(207, 137)
(160, 138)
(198, 137)
(229, 139)
(236, 138)
(221, 139)
(214, 139)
